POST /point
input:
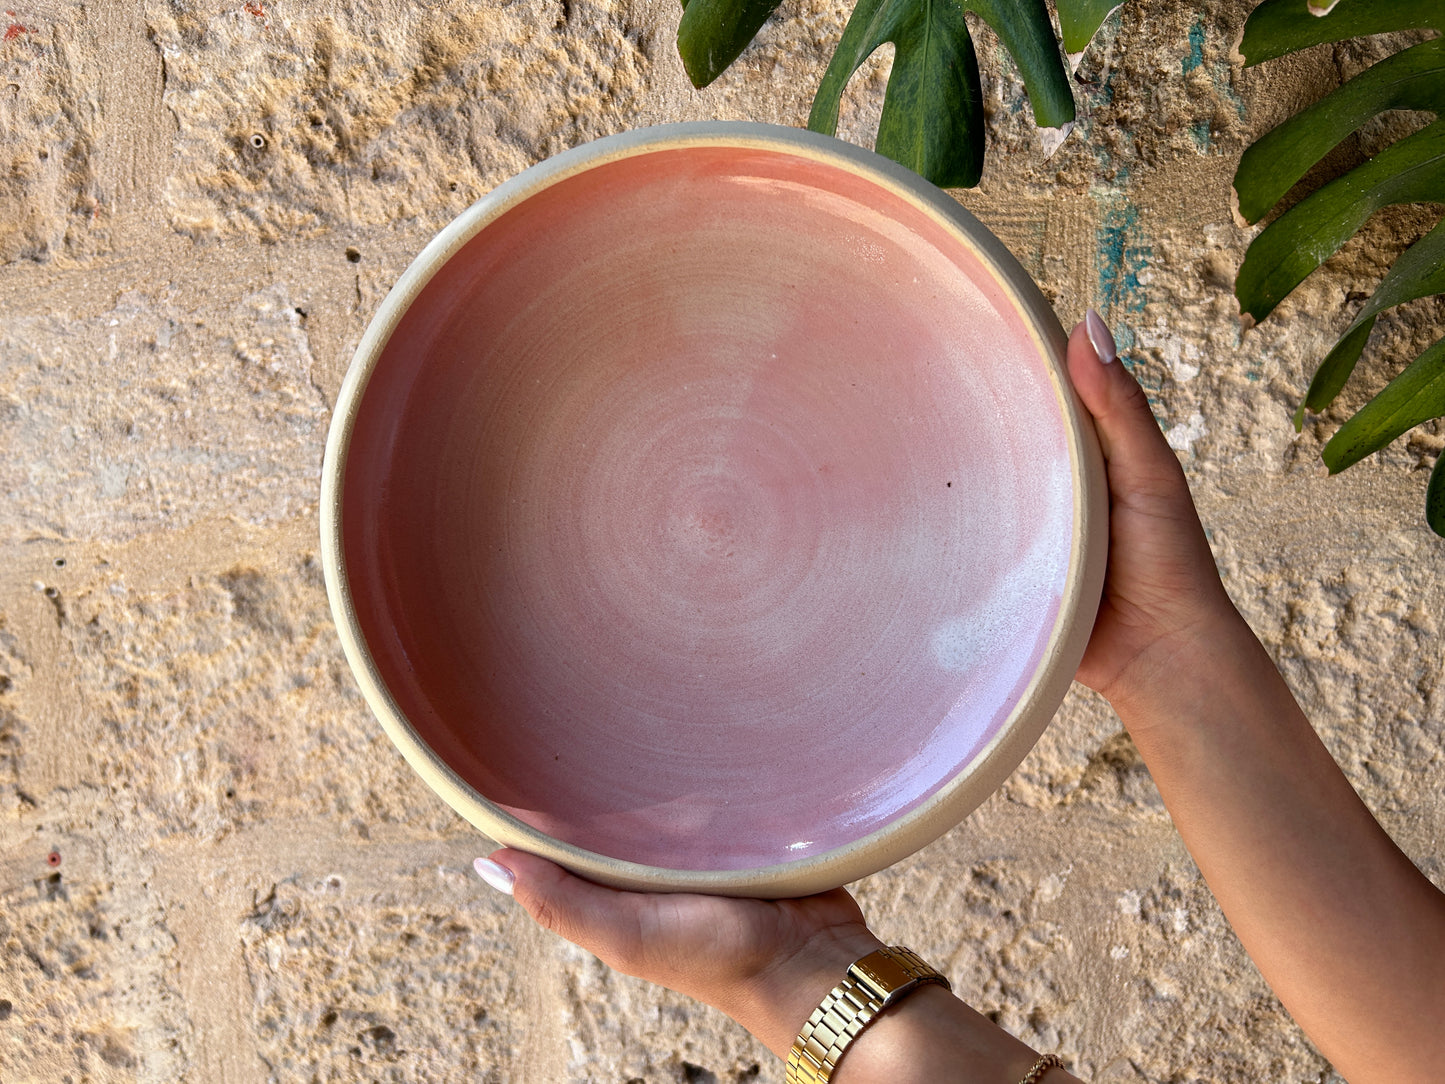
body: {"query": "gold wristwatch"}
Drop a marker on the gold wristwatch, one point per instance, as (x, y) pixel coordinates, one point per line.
(873, 983)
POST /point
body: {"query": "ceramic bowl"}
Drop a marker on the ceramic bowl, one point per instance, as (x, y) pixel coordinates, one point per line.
(707, 508)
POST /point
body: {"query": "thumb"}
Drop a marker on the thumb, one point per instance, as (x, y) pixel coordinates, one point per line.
(604, 921)
(1141, 464)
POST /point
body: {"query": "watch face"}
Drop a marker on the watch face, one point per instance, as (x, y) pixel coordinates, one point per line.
(883, 972)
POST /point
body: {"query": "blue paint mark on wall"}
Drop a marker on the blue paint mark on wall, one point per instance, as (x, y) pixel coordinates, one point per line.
(1221, 74)
(1106, 88)
(1196, 47)
(1123, 257)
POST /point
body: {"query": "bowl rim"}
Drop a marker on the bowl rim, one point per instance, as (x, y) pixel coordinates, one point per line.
(1013, 739)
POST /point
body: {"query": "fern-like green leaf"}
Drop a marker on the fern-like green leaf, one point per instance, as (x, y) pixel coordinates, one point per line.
(932, 117)
(1279, 27)
(1310, 232)
(1435, 498)
(1413, 79)
(1415, 396)
(1411, 170)
(1419, 272)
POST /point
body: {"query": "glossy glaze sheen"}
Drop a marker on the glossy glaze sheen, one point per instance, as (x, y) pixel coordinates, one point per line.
(710, 509)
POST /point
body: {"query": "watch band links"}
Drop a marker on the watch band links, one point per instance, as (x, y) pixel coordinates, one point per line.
(871, 984)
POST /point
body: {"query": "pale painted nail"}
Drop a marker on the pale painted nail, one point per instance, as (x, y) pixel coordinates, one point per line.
(1100, 338)
(495, 874)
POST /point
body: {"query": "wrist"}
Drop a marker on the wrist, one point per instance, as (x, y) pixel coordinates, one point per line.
(928, 1035)
(1176, 665)
(777, 1001)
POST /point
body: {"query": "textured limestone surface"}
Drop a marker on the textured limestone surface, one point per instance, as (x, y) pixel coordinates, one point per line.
(214, 867)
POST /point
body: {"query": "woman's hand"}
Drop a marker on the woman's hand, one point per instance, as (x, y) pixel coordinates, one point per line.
(1346, 930)
(766, 963)
(1161, 590)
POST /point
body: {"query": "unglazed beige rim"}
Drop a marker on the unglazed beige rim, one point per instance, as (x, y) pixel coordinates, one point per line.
(1013, 740)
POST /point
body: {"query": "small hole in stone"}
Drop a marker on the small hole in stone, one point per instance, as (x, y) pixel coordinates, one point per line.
(230, 792)
(258, 141)
(53, 859)
(60, 562)
(354, 255)
(452, 187)
(52, 592)
(6, 1008)
(328, 1018)
(379, 1034)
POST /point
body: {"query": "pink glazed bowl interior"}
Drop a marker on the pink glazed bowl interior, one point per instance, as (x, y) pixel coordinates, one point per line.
(708, 511)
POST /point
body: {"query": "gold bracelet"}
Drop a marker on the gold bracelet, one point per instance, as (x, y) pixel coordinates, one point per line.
(871, 984)
(1042, 1066)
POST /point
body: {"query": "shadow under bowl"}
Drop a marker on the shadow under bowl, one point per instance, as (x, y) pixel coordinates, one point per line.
(706, 508)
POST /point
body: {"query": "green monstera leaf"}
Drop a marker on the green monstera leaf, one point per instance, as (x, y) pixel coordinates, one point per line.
(1079, 21)
(713, 33)
(1411, 170)
(932, 118)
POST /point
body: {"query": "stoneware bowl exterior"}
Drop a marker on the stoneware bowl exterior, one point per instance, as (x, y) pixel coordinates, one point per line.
(707, 508)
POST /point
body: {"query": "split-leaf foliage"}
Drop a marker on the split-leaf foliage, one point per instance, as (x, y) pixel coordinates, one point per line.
(1410, 170)
(932, 119)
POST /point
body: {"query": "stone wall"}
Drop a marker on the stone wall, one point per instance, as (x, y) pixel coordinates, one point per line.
(214, 867)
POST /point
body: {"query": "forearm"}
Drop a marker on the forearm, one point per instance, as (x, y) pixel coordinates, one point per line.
(929, 1036)
(1347, 932)
(768, 964)
(933, 1036)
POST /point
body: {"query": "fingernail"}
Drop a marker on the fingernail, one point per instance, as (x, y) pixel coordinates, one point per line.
(1100, 338)
(495, 874)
